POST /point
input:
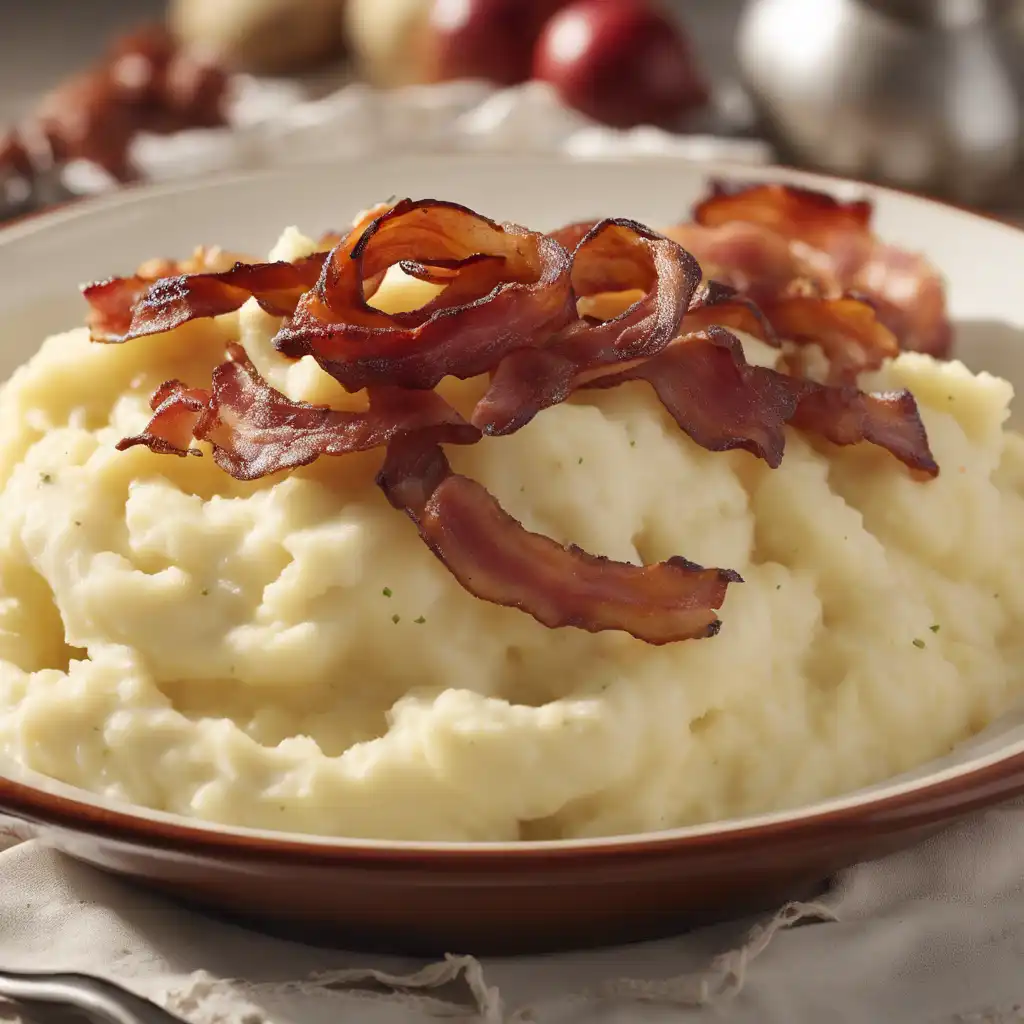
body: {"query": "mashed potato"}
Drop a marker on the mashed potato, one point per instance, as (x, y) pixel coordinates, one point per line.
(287, 654)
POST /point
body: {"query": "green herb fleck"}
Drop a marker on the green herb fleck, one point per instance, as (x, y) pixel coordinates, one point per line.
(386, 591)
(934, 628)
(919, 643)
(579, 462)
(632, 444)
(419, 621)
(78, 522)
(46, 478)
(778, 586)
(205, 592)
(396, 619)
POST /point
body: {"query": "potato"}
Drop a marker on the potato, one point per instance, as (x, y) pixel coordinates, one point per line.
(386, 38)
(261, 36)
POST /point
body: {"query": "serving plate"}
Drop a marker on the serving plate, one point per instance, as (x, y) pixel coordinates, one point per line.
(495, 897)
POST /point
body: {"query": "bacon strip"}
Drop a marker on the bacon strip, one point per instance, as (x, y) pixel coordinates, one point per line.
(162, 305)
(847, 330)
(255, 430)
(845, 415)
(754, 260)
(176, 410)
(722, 402)
(841, 229)
(777, 235)
(717, 304)
(511, 289)
(622, 255)
(112, 302)
(716, 397)
(613, 255)
(496, 559)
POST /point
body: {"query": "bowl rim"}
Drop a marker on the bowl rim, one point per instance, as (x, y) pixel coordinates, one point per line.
(926, 798)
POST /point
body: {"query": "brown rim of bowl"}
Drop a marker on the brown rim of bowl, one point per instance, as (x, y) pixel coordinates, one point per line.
(920, 805)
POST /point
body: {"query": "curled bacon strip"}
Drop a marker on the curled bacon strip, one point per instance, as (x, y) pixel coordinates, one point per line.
(716, 397)
(111, 302)
(496, 559)
(722, 402)
(717, 304)
(841, 229)
(614, 255)
(754, 260)
(847, 330)
(845, 415)
(780, 234)
(169, 302)
(622, 255)
(510, 289)
(255, 430)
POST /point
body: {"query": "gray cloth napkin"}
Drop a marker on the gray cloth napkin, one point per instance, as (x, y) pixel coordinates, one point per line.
(934, 935)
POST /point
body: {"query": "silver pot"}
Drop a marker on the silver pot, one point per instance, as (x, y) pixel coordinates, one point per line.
(921, 94)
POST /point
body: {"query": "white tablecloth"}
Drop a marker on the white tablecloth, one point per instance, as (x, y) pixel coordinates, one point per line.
(931, 936)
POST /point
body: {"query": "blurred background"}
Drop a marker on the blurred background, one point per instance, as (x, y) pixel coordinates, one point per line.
(925, 95)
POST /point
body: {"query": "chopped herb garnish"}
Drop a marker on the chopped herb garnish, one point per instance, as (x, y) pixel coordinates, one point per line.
(934, 628)
(778, 586)
(46, 478)
(78, 522)
(205, 592)
(580, 461)
(396, 619)
(386, 591)
(918, 643)
(419, 621)
(632, 444)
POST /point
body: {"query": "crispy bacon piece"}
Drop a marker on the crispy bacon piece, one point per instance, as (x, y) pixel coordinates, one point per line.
(845, 415)
(255, 430)
(622, 255)
(717, 304)
(715, 396)
(754, 260)
(176, 411)
(841, 229)
(496, 559)
(909, 297)
(146, 82)
(169, 302)
(722, 402)
(613, 255)
(847, 330)
(511, 289)
(113, 302)
(571, 235)
(763, 238)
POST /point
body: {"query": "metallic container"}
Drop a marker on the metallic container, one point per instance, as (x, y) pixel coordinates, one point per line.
(920, 94)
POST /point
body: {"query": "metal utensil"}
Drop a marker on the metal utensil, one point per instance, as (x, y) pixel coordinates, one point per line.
(102, 1000)
(921, 94)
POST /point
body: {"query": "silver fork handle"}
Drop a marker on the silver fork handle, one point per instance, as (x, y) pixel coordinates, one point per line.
(100, 999)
